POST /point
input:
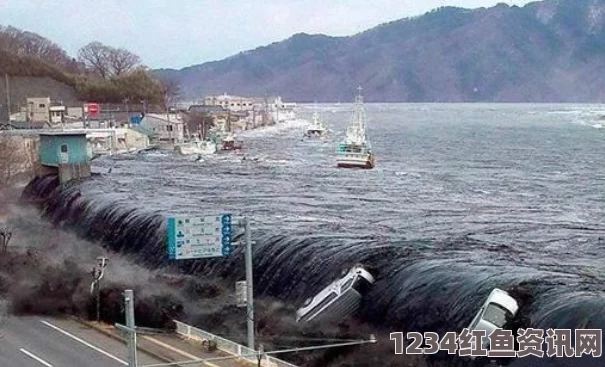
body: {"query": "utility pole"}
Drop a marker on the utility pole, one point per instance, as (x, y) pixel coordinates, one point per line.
(8, 99)
(97, 275)
(253, 118)
(169, 126)
(130, 324)
(130, 328)
(249, 285)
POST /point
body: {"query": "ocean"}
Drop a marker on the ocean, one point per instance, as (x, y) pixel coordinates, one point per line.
(463, 198)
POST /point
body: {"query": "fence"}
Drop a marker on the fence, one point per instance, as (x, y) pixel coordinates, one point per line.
(229, 347)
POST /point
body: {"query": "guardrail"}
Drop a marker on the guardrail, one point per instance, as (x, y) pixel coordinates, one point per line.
(228, 346)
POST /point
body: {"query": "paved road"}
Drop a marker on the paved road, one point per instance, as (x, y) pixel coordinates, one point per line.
(49, 342)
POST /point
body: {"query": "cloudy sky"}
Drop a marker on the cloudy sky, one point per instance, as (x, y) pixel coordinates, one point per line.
(180, 33)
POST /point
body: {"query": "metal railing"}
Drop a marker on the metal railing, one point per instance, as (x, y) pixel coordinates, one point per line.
(228, 346)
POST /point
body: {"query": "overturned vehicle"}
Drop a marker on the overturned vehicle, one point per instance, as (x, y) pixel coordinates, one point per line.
(338, 300)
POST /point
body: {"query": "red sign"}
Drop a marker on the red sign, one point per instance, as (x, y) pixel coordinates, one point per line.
(93, 109)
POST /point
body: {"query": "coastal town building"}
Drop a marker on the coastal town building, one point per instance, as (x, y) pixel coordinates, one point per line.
(57, 114)
(165, 127)
(208, 109)
(233, 103)
(38, 109)
(65, 153)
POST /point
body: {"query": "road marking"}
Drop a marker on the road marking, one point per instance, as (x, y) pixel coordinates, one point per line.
(31, 355)
(176, 350)
(84, 342)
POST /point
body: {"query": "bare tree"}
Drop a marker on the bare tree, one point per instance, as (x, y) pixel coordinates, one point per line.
(95, 56)
(5, 237)
(23, 43)
(171, 90)
(122, 61)
(108, 61)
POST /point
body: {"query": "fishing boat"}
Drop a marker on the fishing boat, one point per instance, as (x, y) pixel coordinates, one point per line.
(200, 147)
(225, 138)
(316, 129)
(355, 151)
(197, 143)
(229, 142)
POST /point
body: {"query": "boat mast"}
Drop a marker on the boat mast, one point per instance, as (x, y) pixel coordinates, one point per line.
(356, 131)
(315, 115)
(360, 113)
(228, 121)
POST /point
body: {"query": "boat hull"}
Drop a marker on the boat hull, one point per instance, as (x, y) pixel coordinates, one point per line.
(315, 137)
(228, 146)
(362, 161)
(196, 148)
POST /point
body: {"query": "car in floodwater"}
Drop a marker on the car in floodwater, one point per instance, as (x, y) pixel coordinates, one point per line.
(340, 299)
(499, 308)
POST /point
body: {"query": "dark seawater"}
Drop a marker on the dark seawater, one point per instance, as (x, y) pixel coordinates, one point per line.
(464, 198)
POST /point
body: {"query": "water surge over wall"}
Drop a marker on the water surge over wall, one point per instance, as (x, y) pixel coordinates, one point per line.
(421, 285)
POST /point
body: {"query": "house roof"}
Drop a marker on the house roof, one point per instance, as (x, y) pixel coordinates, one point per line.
(206, 108)
(174, 119)
(63, 133)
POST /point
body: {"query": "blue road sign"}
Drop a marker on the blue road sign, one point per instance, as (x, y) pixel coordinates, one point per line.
(199, 237)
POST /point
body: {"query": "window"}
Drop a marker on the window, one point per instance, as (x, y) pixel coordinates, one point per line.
(64, 148)
(41, 105)
(347, 285)
(321, 305)
(496, 315)
(169, 128)
(308, 302)
(362, 285)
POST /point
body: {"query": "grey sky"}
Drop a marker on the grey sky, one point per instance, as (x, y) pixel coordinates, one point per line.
(181, 33)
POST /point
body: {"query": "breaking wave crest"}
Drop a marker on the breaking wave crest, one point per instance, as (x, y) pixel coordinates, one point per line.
(420, 285)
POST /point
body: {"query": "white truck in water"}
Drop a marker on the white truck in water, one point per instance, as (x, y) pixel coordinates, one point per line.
(340, 299)
(498, 309)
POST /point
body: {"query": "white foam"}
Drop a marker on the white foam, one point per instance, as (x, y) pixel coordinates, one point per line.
(273, 129)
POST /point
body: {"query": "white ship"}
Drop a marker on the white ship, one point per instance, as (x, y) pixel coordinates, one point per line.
(200, 147)
(197, 142)
(355, 151)
(317, 129)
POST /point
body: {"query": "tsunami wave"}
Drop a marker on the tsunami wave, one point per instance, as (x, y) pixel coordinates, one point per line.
(420, 285)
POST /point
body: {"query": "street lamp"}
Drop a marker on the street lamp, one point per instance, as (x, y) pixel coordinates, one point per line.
(97, 275)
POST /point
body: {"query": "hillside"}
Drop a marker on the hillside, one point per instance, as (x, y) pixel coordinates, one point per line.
(22, 87)
(37, 67)
(548, 51)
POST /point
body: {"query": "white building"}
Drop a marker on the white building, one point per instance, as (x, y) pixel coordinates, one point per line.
(57, 114)
(166, 127)
(233, 103)
(115, 141)
(278, 110)
(38, 109)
